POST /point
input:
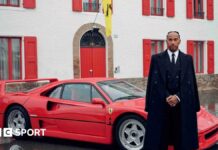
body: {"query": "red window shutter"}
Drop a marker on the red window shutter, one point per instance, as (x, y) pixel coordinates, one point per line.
(210, 9)
(146, 7)
(170, 8)
(190, 48)
(77, 5)
(31, 4)
(189, 7)
(210, 57)
(146, 56)
(30, 46)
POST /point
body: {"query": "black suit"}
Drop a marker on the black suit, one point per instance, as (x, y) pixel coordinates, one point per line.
(163, 120)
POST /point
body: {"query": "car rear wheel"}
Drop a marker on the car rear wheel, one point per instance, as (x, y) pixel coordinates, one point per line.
(130, 132)
(17, 119)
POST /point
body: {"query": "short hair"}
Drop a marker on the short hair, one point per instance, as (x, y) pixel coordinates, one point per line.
(173, 32)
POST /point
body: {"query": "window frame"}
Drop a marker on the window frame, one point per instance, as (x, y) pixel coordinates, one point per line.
(10, 5)
(104, 99)
(10, 57)
(53, 89)
(196, 12)
(47, 92)
(156, 45)
(90, 7)
(155, 8)
(64, 86)
(197, 61)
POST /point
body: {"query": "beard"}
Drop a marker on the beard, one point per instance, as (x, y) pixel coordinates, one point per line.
(173, 48)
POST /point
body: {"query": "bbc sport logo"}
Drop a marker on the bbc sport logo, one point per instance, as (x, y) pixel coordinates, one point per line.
(9, 132)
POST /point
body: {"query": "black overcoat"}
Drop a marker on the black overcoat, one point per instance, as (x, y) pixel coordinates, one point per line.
(156, 94)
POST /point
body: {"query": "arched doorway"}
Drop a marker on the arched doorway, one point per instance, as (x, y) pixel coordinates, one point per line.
(92, 55)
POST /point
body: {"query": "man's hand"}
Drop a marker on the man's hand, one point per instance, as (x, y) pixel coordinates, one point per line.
(172, 100)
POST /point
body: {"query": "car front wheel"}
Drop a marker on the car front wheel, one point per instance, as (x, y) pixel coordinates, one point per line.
(130, 132)
(17, 119)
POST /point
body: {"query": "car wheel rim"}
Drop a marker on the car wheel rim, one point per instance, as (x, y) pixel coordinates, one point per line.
(16, 121)
(16, 147)
(131, 134)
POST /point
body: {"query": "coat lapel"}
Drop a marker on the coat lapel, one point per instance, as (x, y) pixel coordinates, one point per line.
(163, 61)
(183, 65)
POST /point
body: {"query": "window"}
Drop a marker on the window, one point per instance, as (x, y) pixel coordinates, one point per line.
(10, 58)
(195, 9)
(14, 3)
(23, 86)
(198, 56)
(156, 46)
(92, 38)
(156, 7)
(96, 94)
(77, 92)
(150, 47)
(198, 9)
(74, 92)
(120, 90)
(56, 93)
(91, 5)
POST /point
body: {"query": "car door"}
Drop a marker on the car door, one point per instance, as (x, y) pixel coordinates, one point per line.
(70, 105)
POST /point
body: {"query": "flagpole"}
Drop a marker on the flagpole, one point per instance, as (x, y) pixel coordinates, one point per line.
(99, 7)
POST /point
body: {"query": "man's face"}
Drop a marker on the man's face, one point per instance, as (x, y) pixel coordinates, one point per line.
(173, 41)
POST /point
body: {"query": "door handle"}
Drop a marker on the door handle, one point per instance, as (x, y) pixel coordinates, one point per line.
(91, 72)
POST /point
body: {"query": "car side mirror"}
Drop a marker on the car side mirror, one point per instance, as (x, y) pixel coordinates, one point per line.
(98, 101)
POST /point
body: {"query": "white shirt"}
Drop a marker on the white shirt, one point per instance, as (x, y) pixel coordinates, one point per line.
(170, 55)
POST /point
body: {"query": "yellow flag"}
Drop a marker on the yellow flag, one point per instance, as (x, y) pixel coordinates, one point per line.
(107, 10)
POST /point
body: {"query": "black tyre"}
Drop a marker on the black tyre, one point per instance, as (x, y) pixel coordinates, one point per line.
(130, 132)
(17, 118)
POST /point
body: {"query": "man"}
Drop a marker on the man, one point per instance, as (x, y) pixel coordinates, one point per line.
(171, 99)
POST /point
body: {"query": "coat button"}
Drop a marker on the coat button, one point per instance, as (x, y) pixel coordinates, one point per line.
(155, 82)
(177, 77)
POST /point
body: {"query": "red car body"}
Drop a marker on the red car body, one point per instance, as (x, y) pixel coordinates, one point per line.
(91, 122)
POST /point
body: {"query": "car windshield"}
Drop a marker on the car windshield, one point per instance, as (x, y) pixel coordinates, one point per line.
(119, 90)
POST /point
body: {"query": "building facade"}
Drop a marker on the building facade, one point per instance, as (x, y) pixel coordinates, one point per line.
(53, 38)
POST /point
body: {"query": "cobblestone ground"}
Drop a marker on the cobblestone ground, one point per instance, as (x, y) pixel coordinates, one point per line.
(209, 100)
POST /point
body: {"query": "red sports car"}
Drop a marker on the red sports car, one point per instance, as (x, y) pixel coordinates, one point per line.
(97, 110)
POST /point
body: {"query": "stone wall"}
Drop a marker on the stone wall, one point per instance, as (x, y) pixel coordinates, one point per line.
(205, 82)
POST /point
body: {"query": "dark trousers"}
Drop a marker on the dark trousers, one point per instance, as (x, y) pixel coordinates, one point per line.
(172, 129)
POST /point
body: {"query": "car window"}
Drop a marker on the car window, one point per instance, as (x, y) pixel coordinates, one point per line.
(56, 93)
(96, 94)
(77, 92)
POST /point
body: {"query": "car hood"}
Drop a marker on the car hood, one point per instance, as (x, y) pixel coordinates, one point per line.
(206, 120)
(138, 103)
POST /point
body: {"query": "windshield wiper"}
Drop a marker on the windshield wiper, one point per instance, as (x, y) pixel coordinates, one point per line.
(128, 97)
